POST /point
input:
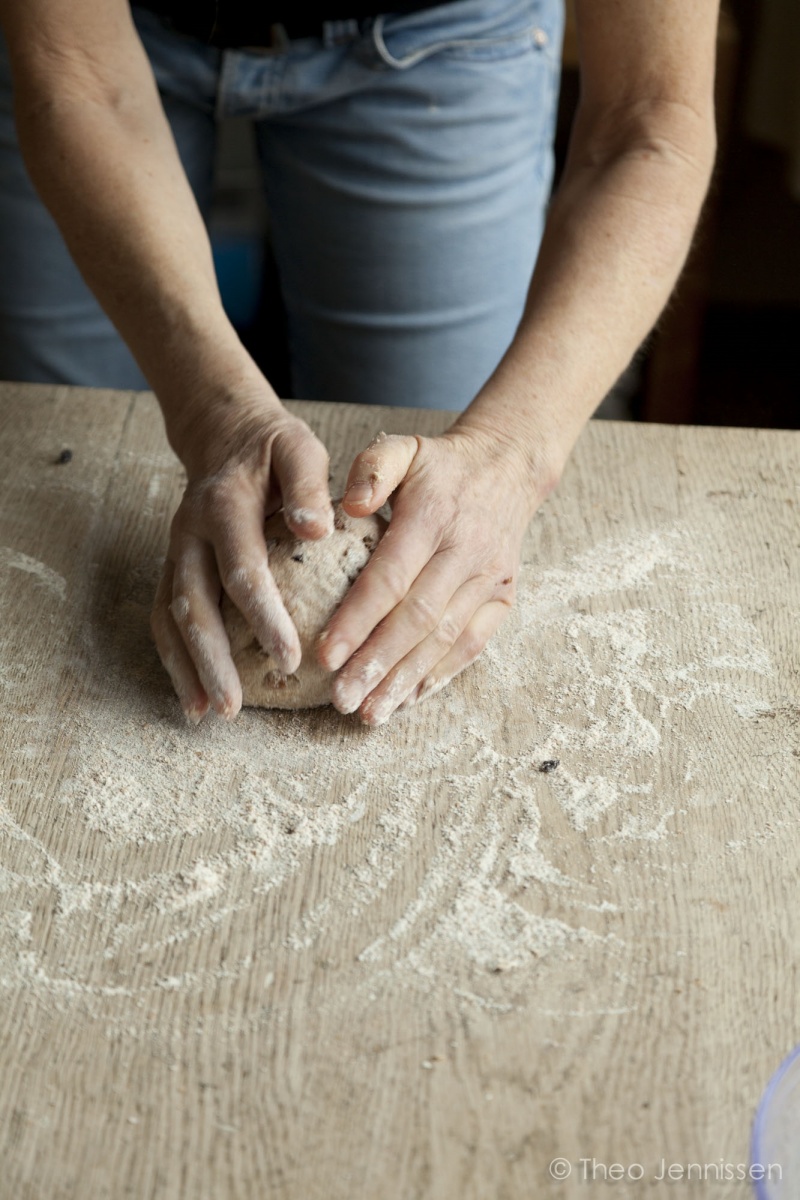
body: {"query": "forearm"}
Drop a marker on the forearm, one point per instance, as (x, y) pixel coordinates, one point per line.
(104, 162)
(617, 235)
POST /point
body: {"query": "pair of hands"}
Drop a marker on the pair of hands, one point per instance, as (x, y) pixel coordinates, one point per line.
(437, 587)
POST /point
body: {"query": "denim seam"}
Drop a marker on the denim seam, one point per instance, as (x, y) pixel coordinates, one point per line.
(416, 56)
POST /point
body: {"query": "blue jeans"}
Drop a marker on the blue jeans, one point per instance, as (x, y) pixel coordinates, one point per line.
(407, 165)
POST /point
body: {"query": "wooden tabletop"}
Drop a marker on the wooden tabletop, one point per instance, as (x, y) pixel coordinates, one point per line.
(549, 915)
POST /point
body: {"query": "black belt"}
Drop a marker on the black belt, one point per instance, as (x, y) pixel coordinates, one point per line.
(226, 25)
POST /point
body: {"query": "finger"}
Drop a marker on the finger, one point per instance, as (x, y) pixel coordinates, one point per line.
(415, 666)
(377, 471)
(400, 555)
(428, 606)
(300, 462)
(195, 611)
(466, 649)
(173, 653)
(241, 555)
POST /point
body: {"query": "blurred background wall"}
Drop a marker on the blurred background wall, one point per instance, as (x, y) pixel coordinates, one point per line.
(750, 361)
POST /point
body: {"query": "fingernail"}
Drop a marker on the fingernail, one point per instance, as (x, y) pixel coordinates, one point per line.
(288, 664)
(194, 707)
(431, 686)
(359, 493)
(348, 696)
(286, 655)
(312, 516)
(349, 692)
(410, 700)
(336, 655)
(381, 712)
(377, 711)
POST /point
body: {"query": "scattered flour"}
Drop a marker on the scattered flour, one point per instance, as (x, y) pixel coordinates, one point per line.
(246, 806)
(14, 560)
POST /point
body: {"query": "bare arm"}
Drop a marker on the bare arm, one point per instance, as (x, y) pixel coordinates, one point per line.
(621, 223)
(617, 234)
(101, 154)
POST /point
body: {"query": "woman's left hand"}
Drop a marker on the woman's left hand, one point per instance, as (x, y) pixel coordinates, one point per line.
(443, 576)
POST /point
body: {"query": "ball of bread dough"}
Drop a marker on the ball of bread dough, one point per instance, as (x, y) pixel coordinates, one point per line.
(312, 578)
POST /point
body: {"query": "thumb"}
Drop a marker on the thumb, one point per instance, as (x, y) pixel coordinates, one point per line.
(300, 462)
(377, 471)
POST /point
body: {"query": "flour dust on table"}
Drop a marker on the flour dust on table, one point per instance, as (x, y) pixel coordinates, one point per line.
(436, 841)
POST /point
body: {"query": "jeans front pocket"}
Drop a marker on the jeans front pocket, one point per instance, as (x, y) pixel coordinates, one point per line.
(470, 29)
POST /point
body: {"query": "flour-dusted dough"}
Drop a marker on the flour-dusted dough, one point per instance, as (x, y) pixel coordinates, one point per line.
(312, 578)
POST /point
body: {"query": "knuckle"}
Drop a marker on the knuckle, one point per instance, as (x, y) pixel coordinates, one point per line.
(316, 446)
(392, 578)
(297, 435)
(486, 580)
(219, 502)
(448, 629)
(233, 577)
(422, 611)
(181, 612)
(241, 581)
(471, 645)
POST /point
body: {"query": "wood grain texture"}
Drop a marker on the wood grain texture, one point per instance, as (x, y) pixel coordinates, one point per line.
(291, 957)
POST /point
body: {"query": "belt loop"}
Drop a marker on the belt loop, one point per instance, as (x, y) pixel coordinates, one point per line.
(341, 32)
(279, 38)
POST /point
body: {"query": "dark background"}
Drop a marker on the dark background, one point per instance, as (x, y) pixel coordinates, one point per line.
(749, 365)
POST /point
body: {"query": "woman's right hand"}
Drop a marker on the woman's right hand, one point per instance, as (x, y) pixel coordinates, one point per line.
(241, 468)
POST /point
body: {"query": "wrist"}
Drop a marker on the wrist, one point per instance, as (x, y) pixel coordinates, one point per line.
(521, 451)
(208, 424)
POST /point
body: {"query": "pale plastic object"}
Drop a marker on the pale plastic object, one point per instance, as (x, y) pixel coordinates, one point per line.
(776, 1133)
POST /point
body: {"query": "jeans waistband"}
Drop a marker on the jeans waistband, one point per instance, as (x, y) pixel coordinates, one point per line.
(231, 25)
